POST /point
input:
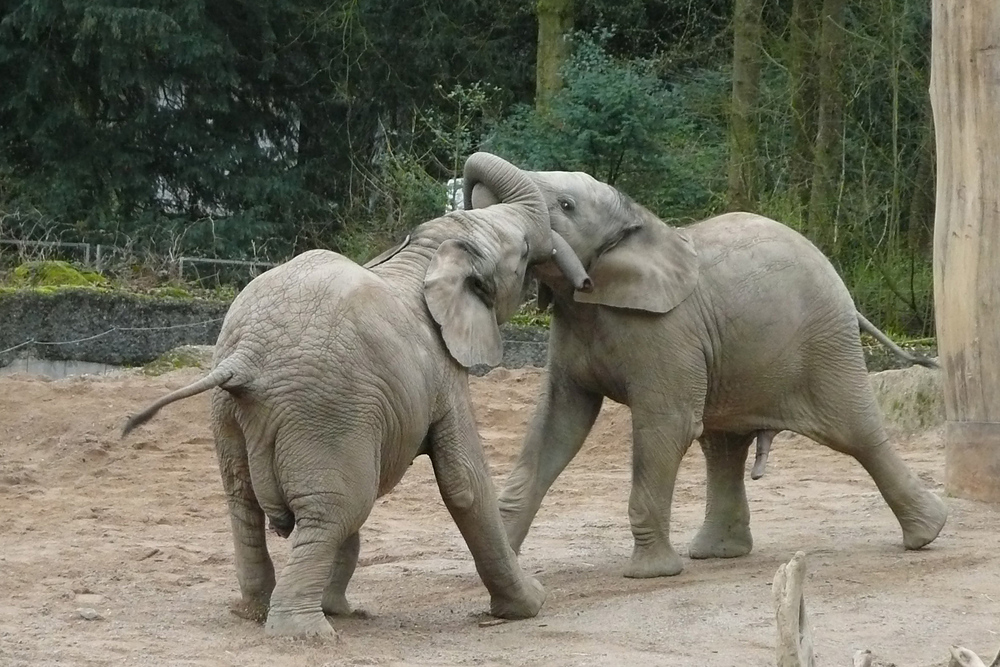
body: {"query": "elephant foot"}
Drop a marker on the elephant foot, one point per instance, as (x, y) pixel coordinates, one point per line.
(251, 609)
(648, 562)
(335, 604)
(922, 527)
(524, 605)
(713, 541)
(301, 625)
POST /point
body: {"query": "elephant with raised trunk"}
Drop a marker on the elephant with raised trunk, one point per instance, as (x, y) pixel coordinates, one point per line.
(732, 327)
(329, 378)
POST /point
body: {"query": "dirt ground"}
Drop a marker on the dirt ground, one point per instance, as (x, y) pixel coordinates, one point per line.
(137, 531)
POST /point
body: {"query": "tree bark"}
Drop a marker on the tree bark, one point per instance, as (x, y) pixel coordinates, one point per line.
(803, 30)
(965, 96)
(829, 129)
(555, 21)
(743, 112)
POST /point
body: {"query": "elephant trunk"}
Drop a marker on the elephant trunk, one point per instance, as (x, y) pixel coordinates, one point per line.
(570, 264)
(501, 182)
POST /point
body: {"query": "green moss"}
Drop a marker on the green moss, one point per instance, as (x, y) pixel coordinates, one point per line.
(186, 356)
(60, 277)
(171, 291)
(52, 273)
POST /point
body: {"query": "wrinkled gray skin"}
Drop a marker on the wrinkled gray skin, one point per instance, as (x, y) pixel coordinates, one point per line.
(730, 327)
(331, 378)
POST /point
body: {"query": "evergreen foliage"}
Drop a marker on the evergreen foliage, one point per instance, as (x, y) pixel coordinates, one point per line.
(249, 129)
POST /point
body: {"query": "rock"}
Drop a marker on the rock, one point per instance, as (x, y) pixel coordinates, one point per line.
(912, 399)
(88, 614)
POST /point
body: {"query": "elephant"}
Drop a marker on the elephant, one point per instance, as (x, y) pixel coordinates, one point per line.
(729, 329)
(329, 378)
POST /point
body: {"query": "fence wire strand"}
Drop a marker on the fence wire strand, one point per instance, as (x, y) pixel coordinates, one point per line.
(110, 331)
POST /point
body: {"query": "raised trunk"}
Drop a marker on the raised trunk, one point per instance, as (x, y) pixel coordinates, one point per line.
(803, 30)
(965, 95)
(555, 21)
(829, 128)
(743, 117)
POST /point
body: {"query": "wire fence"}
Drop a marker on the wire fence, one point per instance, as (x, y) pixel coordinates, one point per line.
(98, 257)
(108, 332)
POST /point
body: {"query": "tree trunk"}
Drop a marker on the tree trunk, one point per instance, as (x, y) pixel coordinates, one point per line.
(965, 96)
(829, 129)
(803, 28)
(555, 21)
(742, 117)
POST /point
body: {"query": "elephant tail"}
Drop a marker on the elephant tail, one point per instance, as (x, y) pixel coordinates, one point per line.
(912, 359)
(224, 375)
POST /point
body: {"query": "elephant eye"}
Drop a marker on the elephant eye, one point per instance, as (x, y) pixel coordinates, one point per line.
(527, 249)
(566, 204)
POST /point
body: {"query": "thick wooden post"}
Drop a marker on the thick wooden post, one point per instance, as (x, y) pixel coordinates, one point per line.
(965, 96)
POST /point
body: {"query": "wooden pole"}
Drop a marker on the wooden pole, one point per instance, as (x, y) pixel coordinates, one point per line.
(965, 96)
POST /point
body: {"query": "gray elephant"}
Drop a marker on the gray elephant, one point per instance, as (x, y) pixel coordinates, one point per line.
(728, 328)
(330, 378)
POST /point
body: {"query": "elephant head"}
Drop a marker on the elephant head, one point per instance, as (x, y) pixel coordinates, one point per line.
(634, 259)
(476, 278)
(481, 188)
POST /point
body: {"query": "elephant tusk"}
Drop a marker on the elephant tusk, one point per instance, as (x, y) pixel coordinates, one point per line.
(570, 265)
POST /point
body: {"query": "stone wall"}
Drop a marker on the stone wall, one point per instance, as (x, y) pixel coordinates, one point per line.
(108, 327)
(133, 329)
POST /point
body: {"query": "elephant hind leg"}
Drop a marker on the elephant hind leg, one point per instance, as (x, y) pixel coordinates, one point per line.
(850, 422)
(726, 530)
(335, 596)
(330, 483)
(254, 569)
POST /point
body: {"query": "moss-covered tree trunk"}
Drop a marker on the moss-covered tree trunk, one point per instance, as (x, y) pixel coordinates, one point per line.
(555, 21)
(965, 95)
(827, 153)
(803, 31)
(742, 192)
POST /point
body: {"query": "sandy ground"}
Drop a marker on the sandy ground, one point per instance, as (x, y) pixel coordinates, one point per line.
(137, 530)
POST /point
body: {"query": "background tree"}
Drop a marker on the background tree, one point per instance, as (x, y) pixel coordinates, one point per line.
(747, 56)
(555, 23)
(827, 155)
(803, 31)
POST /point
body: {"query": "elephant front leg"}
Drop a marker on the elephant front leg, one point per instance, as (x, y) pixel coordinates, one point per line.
(254, 569)
(659, 443)
(335, 596)
(462, 475)
(726, 531)
(562, 420)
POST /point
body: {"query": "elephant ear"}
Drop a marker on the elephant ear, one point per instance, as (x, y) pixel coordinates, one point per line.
(650, 266)
(453, 290)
